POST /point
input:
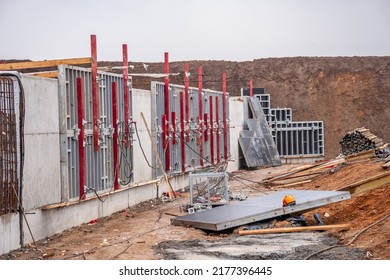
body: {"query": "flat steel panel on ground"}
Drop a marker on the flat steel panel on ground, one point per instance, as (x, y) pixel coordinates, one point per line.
(259, 209)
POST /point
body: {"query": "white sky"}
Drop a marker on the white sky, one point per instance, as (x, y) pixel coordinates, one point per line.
(237, 30)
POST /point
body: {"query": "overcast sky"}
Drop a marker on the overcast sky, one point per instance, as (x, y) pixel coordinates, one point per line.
(237, 30)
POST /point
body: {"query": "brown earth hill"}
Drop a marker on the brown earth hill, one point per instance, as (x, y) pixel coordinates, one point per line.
(344, 92)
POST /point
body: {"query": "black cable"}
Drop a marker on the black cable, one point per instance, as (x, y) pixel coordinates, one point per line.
(140, 145)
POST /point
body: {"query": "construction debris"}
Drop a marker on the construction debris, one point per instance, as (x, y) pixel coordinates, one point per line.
(361, 139)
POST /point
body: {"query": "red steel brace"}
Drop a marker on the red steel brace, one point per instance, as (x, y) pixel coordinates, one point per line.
(211, 131)
(173, 121)
(126, 98)
(206, 125)
(95, 94)
(167, 113)
(224, 108)
(218, 134)
(115, 134)
(250, 88)
(80, 112)
(187, 101)
(182, 133)
(200, 89)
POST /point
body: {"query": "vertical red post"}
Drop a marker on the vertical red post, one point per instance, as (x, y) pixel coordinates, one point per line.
(182, 133)
(80, 112)
(115, 134)
(126, 98)
(187, 100)
(200, 96)
(250, 88)
(218, 129)
(211, 131)
(95, 94)
(167, 112)
(206, 127)
(173, 121)
(224, 108)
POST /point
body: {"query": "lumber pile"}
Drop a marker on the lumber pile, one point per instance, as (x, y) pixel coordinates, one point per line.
(360, 139)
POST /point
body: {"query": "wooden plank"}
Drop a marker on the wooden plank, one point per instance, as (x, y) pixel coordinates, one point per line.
(294, 184)
(44, 63)
(386, 165)
(368, 184)
(360, 155)
(293, 229)
(45, 74)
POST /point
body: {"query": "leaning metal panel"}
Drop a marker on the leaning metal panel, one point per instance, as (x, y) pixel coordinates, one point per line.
(192, 125)
(99, 166)
(259, 209)
(9, 187)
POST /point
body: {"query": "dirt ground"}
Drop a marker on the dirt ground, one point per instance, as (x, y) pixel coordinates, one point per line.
(144, 231)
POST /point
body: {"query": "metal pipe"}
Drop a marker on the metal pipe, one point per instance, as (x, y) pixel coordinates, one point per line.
(187, 100)
(115, 134)
(126, 98)
(218, 131)
(167, 112)
(182, 133)
(224, 108)
(95, 94)
(211, 130)
(250, 88)
(80, 120)
(200, 96)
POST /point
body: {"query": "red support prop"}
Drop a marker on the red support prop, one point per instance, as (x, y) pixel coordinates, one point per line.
(211, 131)
(250, 88)
(218, 133)
(126, 98)
(167, 112)
(164, 132)
(200, 96)
(187, 101)
(182, 133)
(115, 134)
(225, 130)
(80, 113)
(173, 121)
(206, 125)
(95, 94)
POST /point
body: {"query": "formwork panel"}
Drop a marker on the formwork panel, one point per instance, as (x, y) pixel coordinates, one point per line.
(99, 165)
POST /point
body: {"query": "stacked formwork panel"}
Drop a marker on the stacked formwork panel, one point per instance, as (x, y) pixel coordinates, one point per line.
(292, 138)
(85, 166)
(192, 138)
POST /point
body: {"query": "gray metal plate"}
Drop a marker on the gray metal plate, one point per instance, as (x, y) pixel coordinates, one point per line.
(259, 208)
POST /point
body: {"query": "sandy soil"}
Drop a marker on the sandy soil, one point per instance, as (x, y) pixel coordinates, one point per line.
(145, 232)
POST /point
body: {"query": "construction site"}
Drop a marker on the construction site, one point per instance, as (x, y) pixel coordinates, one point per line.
(270, 159)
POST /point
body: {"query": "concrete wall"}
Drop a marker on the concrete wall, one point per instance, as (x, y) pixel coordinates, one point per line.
(41, 175)
(237, 121)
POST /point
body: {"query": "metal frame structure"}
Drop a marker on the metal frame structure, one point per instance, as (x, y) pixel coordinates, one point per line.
(86, 168)
(292, 138)
(209, 188)
(9, 160)
(203, 137)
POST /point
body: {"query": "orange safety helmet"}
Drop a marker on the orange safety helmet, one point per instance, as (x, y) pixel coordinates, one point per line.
(288, 200)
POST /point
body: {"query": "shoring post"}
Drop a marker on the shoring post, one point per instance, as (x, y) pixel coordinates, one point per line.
(95, 94)
(250, 88)
(218, 129)
(200, 118)
(211, 130)
(115, 134)
(126, 98)
(187, 101)
(224, 108)
(167, 113)
(182, 133)
(80, 113)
